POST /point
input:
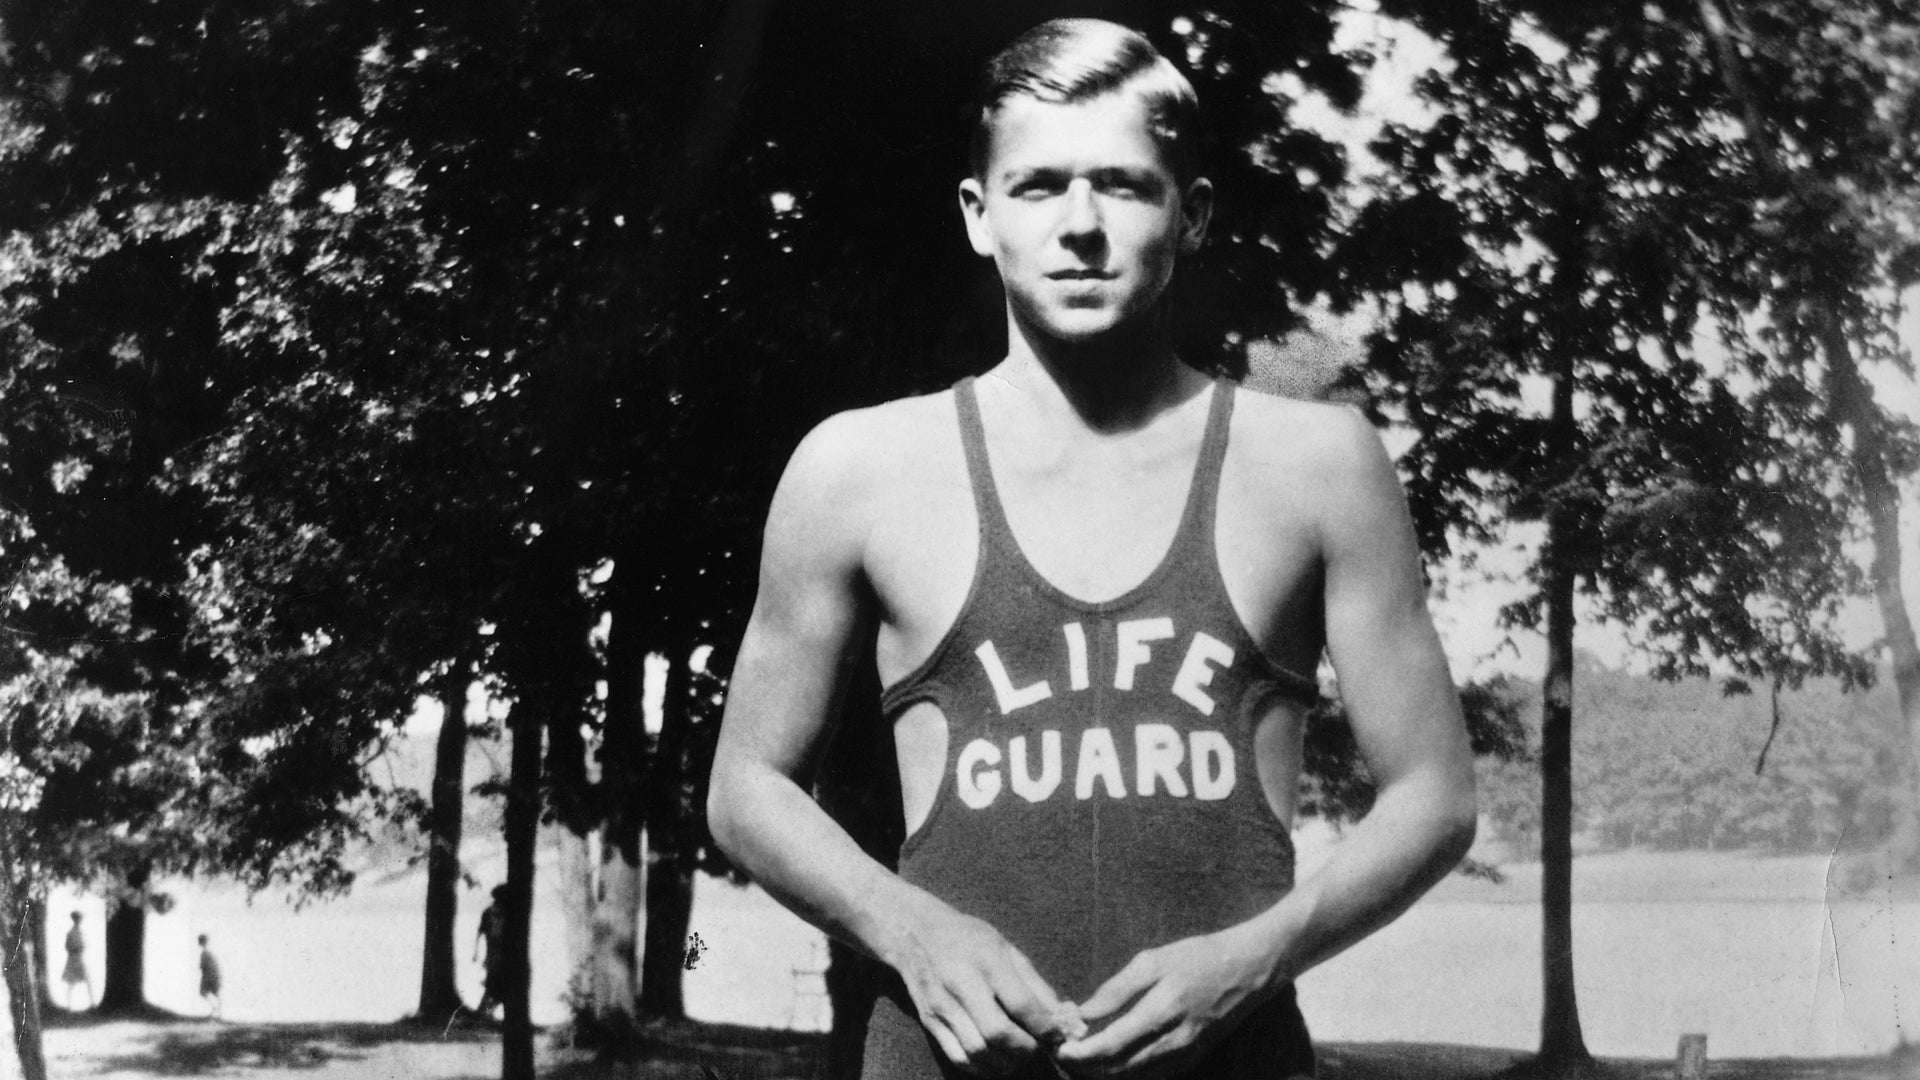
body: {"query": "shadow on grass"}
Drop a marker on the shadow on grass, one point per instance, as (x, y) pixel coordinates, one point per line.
(207, 1047)
(693, 1050)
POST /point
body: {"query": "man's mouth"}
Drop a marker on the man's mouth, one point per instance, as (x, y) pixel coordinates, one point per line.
(1081, 275)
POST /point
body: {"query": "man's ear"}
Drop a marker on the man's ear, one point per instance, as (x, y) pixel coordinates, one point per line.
(1196, 210)
(973, 207)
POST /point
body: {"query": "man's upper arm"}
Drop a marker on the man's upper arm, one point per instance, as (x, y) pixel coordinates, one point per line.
(810, 606)
(1394, 678)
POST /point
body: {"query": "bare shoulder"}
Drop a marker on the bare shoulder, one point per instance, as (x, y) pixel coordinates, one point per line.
(844, 472)
(853, 452)
(1306, 426)
(1312, 455)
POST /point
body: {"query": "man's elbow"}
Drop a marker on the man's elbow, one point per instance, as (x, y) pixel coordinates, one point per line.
(1458, 837)
(1458, 819)
(1440, 809)
(1436, 814)
(724, 811)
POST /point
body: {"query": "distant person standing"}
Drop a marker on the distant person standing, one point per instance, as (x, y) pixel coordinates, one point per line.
(76, 969)
(209, 979)
(486, 949)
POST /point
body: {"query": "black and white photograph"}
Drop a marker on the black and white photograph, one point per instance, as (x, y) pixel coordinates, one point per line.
(862, 540)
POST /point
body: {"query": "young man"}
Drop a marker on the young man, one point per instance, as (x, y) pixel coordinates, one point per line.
(1100, 583)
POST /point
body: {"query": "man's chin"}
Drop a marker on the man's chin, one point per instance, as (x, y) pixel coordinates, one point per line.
(1079, 327)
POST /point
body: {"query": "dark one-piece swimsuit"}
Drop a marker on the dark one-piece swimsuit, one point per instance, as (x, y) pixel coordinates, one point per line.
(1100, 793)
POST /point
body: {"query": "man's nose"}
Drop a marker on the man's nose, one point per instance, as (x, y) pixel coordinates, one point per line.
(1082, 211)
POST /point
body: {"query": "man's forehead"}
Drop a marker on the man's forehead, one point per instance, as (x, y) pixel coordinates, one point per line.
(1111, 130)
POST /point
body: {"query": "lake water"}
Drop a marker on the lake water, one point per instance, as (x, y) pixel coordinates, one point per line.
(1761, 977)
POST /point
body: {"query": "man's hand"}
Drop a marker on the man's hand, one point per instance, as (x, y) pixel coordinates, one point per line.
(1168, 1005)
(980, 997)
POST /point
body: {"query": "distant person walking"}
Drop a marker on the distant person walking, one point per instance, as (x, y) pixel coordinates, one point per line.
(76, 969)
(209, 979)
(486, 949)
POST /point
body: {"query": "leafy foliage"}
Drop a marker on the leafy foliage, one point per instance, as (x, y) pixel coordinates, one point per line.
(1675, 766)
(1565, 224)
(135, 201)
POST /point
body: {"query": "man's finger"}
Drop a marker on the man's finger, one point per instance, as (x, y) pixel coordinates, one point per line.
(1119, 991)
(967, 1034)
(947, 1017)
(1147, 1020)
(1004, 1043)
(1034, 1006)
(1156, 1058)
(949, 1042)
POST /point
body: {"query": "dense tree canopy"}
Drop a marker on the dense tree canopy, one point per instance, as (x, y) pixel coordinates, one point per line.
(355, 348)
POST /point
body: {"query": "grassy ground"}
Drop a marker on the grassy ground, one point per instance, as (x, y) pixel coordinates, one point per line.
(122, 1050)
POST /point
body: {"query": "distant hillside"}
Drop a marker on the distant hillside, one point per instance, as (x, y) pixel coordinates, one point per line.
(1662, 766)
(1671, 766)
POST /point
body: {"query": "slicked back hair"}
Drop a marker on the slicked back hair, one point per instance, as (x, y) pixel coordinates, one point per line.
(1064, 61)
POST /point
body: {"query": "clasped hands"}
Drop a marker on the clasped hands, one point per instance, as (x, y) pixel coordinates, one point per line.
(991, 1012)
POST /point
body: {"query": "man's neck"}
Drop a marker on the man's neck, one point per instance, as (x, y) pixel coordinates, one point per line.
(1112, 384)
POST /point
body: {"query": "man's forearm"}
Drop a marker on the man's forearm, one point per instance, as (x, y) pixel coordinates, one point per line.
(1417, 831)
(780, 836)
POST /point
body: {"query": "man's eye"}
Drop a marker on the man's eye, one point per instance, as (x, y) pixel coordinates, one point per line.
(1036, 189)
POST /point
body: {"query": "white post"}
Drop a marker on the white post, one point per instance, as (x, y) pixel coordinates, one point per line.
(1693, 1058)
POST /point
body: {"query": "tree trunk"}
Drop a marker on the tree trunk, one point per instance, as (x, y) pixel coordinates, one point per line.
(1884, 513)
(669, 887)
(25, 983)
(527, 724)
(617, 905)
(669, 881)
(37, 926)
(439, 996)
(1561, 1041)
(616, 923)
(1560, 1036)
(852, 982)
(1852, 402)
(577, 891)
(125, 985)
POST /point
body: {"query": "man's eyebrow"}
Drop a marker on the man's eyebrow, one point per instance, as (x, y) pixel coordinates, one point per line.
(1134, 174)
(1130, 173)
(1018, 173)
